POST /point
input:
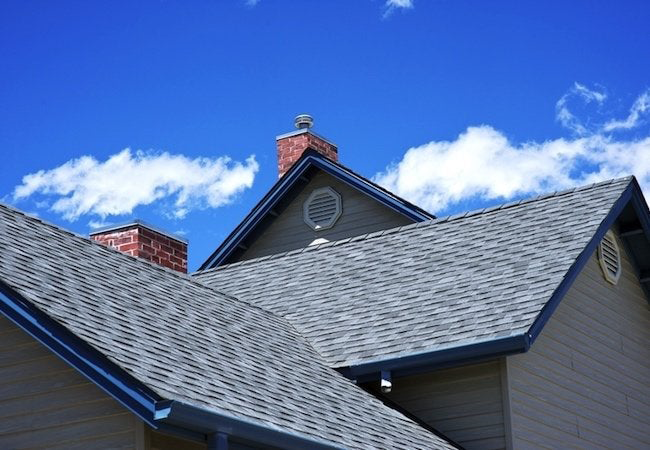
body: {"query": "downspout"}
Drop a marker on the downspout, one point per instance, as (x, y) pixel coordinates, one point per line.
(218, 441)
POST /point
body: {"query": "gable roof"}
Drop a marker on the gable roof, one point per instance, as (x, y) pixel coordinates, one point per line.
(468, 286)
(178, 353)
(295, 179)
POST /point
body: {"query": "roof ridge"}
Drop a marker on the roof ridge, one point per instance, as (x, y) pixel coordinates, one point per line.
(90, 241)
(426, 223)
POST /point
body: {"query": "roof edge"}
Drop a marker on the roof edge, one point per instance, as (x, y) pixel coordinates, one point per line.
(309, 158)
(184, 415)
(167, 415)
(88, 361)
(415, 363)
(431, 222)
(631, 193)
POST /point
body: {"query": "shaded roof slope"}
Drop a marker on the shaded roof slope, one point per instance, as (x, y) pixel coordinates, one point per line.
(431, 286)
(188, 342)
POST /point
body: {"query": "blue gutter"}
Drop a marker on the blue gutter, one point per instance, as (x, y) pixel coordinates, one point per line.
(210, 422)
(170, 416)
(426, 361)
(89, 362)
(422, 362)
(282, 186)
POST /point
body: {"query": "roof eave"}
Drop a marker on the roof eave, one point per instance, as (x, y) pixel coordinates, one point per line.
(415, 363)
(423, 362)
(159, 413)
(631, 194)
(182, 415)
(89, 362)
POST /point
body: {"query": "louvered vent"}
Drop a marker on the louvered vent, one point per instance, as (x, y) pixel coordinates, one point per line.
(609, 257)
(322, 209)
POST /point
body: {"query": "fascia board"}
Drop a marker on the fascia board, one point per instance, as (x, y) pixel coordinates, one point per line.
(132, 394)
(267, 203)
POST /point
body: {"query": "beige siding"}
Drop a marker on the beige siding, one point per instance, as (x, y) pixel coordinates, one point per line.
(465, 403)
(585, 383)
(45, 403)
(361, 214)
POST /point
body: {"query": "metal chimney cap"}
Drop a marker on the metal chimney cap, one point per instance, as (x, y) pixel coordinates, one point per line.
(304, 121)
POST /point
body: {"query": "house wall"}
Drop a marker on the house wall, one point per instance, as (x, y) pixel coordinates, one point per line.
(464, 403)
(586, 380)
(45, 403)
(361, 214)
(161, 441)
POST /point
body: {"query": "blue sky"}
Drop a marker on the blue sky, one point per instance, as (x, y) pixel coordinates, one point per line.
(454, 104)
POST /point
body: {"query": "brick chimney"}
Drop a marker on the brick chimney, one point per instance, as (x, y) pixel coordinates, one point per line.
(292, 145)
(144, 241)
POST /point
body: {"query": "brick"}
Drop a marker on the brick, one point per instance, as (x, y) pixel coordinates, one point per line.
(128, 247)
(290, 149)
(147, 244)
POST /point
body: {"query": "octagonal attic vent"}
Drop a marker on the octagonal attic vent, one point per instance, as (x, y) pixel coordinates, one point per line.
(609, 257)
(322, 208)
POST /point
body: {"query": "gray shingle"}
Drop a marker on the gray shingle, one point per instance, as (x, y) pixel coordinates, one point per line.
(188, 342)
(440, 284)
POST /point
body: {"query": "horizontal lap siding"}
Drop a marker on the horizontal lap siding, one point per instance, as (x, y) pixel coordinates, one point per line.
(161, 441)
(465, 403)
(585, 383)
(45, 403)
(361, 215)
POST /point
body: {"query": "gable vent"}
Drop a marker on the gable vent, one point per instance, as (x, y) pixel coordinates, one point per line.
(609, 258)
(322, 208)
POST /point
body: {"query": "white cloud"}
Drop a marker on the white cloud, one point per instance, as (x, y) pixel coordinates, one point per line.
(482, 163)
(94, 224)
(640, 107)
(566, 117)
(129, 179)
(399, 4)
(391, 5)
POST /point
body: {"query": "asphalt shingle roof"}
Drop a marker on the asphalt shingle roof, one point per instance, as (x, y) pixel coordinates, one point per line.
(188, 342)
(438, 284)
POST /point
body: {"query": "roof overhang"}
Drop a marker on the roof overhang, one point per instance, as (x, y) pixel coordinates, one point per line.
(178, 414)
(415, 363)
(166, 415)
(630, 203)
(296, 174)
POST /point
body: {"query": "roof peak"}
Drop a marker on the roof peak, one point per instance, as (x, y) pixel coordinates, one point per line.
(426, 223)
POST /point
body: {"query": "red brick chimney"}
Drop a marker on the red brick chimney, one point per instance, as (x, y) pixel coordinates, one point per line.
(144, 241)
(292, 145)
